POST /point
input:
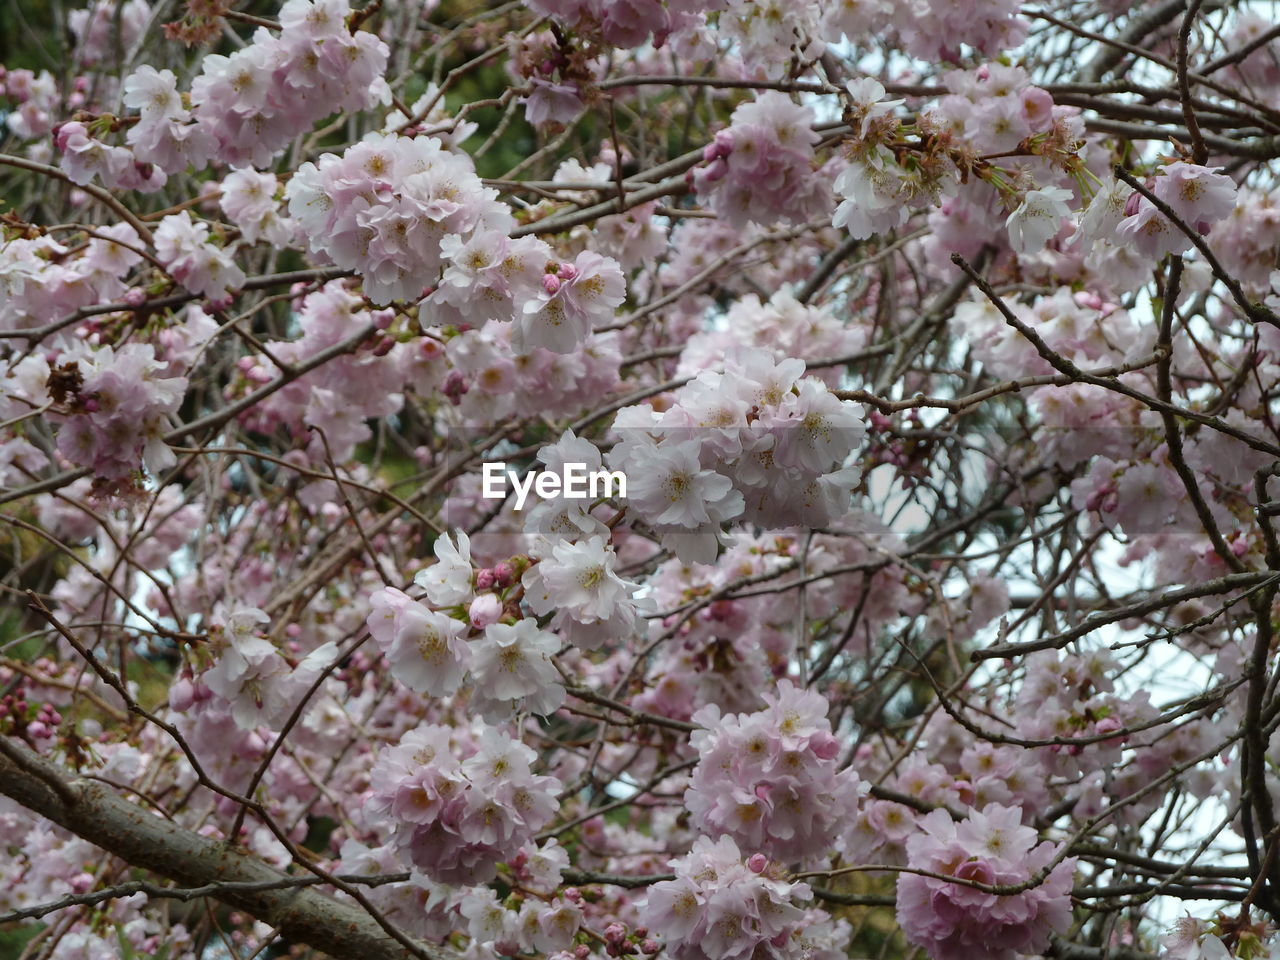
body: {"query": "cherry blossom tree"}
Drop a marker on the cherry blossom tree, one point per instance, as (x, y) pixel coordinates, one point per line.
(691, 479)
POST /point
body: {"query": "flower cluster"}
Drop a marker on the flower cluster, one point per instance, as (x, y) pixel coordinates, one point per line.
(253, 102)
(1198, 195)
(956, 921)
(340, 397)
(245, 108)
(252, 677)
(430, 652)
(572, 299)
(36, 99)
(1080, 326)
(874, 190)
(487, 276)
(425, 649)
(183, 246)
(164, 135)
(622, 23)
(84, 157)
(936, 29)
(760, 170)
(485, 378)
(1073, 697)
(460, 810)
(783, 326)
(249, 200)
(770, 779)
(755, 441)
(578, 583)
(719, 907)
(95, 28)
(385, 207)
(1245, 240)
(121, 406)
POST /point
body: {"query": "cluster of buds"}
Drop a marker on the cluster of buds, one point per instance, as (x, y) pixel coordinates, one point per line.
(908, 454)
(621, 943)
(715, 155)
(20, 718)
(557, 274)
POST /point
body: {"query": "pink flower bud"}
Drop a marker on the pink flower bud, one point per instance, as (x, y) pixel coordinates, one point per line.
(1107, 725)
(757, 862)
(81, 882)
(550, 283)
(715, 170)
(182, 695)
(568, 272)
(485, 609)
(455, 385)
(824, 745)
(978, 871)
(65, 131)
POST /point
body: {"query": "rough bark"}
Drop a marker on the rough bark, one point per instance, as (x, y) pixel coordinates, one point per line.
(145, 839)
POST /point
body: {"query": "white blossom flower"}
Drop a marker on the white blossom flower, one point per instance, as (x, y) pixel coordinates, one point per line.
(1037, 219)
(430, 655)
(510, 662)
(579, 579)
(867, 95)
(448, 580)
(673, 488)
(1104, 213)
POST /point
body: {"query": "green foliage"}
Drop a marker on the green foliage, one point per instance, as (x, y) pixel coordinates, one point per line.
(13, 941)
(28, 39)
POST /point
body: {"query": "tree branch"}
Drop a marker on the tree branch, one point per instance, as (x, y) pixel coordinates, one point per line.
(96, 813)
